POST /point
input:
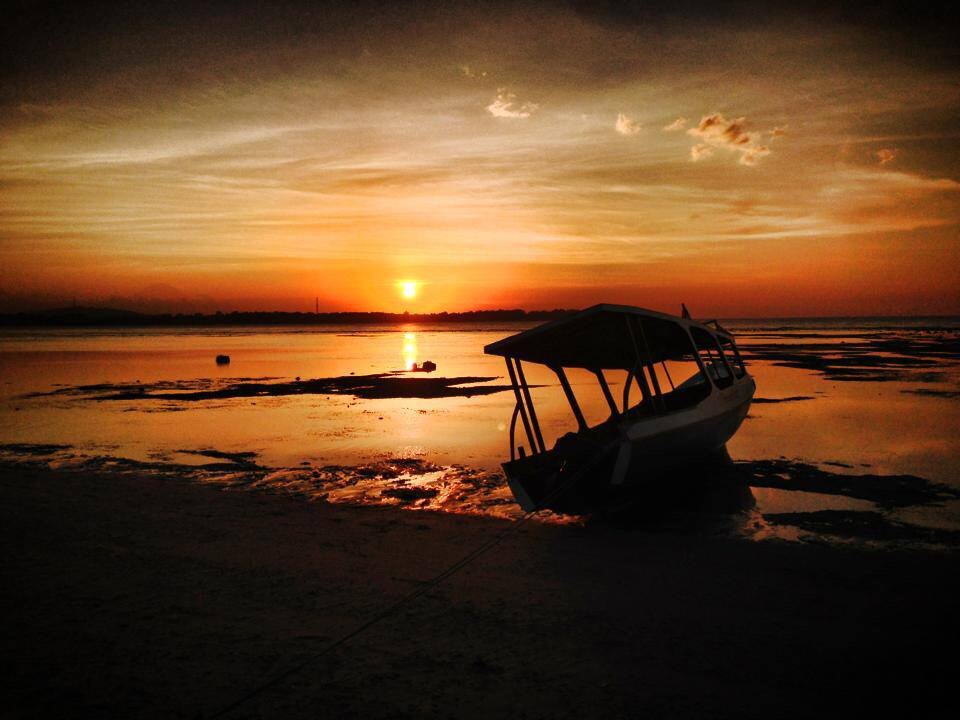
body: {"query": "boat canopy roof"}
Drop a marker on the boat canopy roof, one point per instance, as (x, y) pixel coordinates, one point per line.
(603, 337)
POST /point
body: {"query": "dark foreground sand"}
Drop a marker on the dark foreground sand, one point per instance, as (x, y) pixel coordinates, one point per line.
(144, 597)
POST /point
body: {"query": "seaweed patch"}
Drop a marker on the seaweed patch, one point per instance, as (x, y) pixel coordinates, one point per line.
(863, 525)
(887, 491)
(794, 398)
(367, 387)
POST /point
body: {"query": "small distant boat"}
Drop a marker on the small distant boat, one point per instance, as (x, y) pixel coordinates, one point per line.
(668, 423)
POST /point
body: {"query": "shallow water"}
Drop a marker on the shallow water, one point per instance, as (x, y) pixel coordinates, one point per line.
(885, 404)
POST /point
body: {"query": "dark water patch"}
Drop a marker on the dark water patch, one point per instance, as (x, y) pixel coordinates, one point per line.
(887, 491)
(368, 387)
(847, 364)
(836, 463)
(866, 358)
(793, 398)
(940, 346)
(930, 392)
(170, 407)
(134, 389)
(863, 525)
(33, 449)
(883, 376)
(245, 459)
(159, 464)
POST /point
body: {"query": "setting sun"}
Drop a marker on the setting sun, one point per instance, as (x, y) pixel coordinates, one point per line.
(408, 288)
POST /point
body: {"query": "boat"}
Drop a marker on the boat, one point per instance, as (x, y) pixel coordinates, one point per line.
(657, 427)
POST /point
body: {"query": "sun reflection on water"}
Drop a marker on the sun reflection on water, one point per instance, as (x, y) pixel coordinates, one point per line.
(409, 350)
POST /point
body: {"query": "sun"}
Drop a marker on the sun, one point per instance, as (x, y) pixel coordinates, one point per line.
(408, 289)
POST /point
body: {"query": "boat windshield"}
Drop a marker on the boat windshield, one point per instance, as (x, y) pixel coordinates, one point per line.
(676, 381)
(711, 357)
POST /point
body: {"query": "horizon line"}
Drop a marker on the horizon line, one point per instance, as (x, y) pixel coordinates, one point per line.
(65, 311)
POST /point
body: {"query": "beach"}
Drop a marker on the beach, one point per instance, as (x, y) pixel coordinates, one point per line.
(130, 595)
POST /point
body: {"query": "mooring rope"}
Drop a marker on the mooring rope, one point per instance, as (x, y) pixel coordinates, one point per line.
(424, 588)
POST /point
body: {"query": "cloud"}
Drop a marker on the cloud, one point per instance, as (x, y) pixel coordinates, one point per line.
(676, 125)
(887, 155)
(700, 151)
(626, 125)
(715, 131)
(504, 106)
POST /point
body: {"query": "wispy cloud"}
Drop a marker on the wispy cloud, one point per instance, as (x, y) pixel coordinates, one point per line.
(886, 155)
(357, 169)
(505, 106)
(676, 125)
(470, 72)
(626, 125)
(715, 131)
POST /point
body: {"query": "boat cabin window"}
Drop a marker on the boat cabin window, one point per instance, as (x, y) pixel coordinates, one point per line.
(712, 358)
(732, 355)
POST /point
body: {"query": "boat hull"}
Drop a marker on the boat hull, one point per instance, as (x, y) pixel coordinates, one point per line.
(591, 469)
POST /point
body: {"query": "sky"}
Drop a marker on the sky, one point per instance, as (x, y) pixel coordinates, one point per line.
(746, 160)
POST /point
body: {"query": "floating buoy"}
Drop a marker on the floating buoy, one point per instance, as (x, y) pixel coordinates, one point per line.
(223, 359)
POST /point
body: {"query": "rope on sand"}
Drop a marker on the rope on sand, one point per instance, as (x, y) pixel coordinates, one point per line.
(414, 594)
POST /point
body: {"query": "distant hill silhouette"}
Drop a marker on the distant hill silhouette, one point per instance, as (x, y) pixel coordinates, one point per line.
(110, 317)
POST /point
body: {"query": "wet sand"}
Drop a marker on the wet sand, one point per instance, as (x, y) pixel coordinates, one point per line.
(128, 595)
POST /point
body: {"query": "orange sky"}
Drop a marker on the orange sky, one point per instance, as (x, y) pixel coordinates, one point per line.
(544, 155)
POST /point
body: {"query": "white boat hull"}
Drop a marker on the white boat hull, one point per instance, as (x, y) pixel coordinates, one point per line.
(644, 447)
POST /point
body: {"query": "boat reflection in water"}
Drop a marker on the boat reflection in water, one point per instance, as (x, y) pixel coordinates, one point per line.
(669, 425)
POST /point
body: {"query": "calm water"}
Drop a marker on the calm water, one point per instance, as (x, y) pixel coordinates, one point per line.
(851, 427)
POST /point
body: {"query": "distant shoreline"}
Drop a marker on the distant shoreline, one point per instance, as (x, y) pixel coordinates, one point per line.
(97, 317)
(110, 317)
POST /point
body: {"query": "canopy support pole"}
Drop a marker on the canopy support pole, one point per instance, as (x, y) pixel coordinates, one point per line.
(639, 374)
(520, 405)
(532, 410)
(650, 367)
(664, 363)
(571, 398)
(626, 390)
(606, 392)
